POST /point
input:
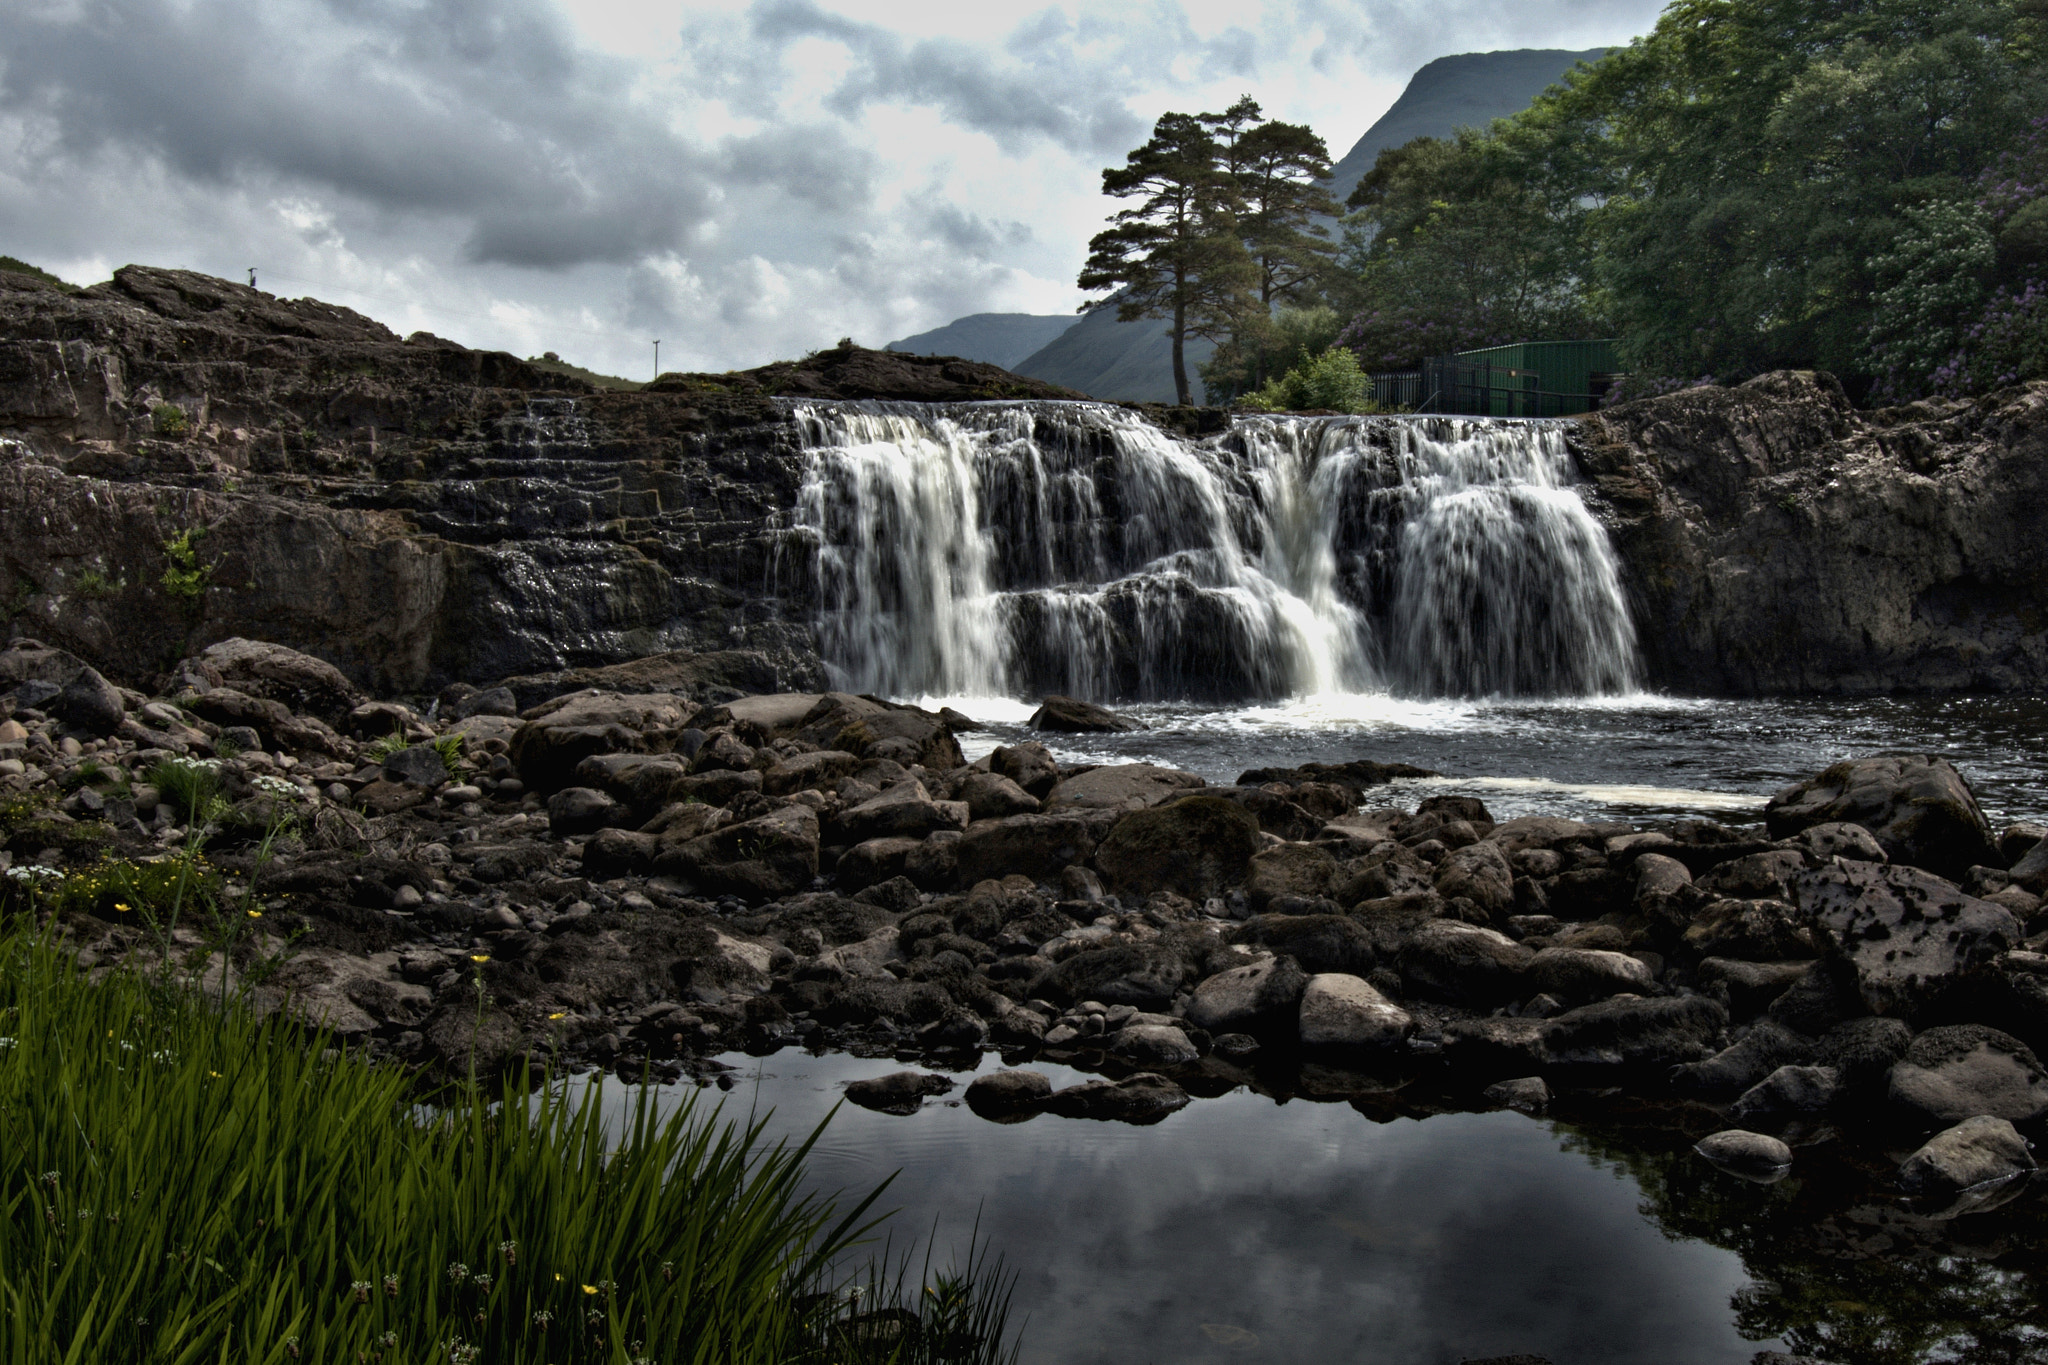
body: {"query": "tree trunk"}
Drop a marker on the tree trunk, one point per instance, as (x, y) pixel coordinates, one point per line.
(1180, 332)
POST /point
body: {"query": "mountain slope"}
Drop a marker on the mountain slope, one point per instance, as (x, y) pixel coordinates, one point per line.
(1127, 361)
(993, 338)
(1469, 90)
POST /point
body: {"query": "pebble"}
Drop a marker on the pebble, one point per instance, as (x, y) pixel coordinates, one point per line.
(1755, 1157)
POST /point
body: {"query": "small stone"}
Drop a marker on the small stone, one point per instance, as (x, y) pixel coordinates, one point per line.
(1154, 1045)
(406, 898)
(1756, 1157)
(499, 917)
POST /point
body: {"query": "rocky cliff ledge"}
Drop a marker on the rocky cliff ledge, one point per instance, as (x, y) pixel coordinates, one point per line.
(415, 511)
(420, 513)
(1777, 540)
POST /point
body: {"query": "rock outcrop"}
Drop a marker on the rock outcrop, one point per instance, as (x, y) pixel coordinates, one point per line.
(1774, 539)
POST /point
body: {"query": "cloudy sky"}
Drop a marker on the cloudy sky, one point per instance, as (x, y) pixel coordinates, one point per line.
(745, 179)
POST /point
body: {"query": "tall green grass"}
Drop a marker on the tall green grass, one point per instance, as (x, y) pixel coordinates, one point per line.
(182, 1183)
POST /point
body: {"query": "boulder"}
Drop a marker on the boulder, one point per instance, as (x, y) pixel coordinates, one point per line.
(774, 714)
(1975, 1152)
(819, 770)
(1035, 846)
(900, 1092)
(646, 783)
(1143, 975)
(1962, 1070)
(1303, 870)
(1756, 1157)
(1030, 765)
(760, 859)
(991, 796)
(1907, 933)
(1480, 873)
(560, 734)
(1755, 930)
(1790, 1092)
(1757, 876)
(1120, 786)
(1070, 716)
(1341, 1010)
(1578, 975)
(1153, 1045)
(1249, 998)
(1142, 1098)
(1007, 1092)
(89, 703)
(881, 730)
(905, 811)
(273, 672)
(1748, 987)
(576, 811)
(282, 731)
(1463, 964)
(1198, 847)
(1320, 943)
(2030, 872)
(1919, 809)
(1629, 1031)
(1538, 831)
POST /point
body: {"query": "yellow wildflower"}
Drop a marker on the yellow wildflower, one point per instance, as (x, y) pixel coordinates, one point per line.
(479, 957)
(558, 1014)
(255, 914)
(122, 906)
(590, 1289)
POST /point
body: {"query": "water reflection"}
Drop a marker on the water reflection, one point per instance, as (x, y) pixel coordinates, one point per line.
(1839, 1270)
(1244, 1231)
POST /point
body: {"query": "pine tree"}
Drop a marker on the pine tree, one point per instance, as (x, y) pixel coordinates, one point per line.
(1176, 253)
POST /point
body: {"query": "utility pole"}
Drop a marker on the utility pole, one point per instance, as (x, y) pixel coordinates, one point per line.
(657, 357)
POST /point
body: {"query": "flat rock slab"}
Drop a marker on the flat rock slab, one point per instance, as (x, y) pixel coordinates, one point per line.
(900, 1092)
(1141, 1099)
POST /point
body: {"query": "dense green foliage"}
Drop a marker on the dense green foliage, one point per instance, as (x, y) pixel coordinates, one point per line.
(183, 1183)
(19, 267)
(1223, 227)
(1756, 184)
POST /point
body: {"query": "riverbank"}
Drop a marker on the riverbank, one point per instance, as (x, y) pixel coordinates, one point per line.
(621, 877)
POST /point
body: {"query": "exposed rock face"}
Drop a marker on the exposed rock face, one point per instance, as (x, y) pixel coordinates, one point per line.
(1776, 540)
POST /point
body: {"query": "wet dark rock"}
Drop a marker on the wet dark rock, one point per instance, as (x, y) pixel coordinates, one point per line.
(1748, 988)
(1071, 716)
(1962, 1070)
(1250, 998)
(1341, 1010)
(1579, 975)
(1753, 930)
(1144, 975)
(1756, 1157)
(1919, 809)
(1975, 1152)
(1153, 1045)
(1320, 943)
(1141, 1098)
(1480, 873)
(1463, 964)
(1198, 847)
(418, 765)
(1907, 933)
(1728, 1073)
(1030, 765)
(1790, 1092)
(1299, 870)
(560, 734)
(1525, 1094)
(992, 796)
(1007, 1092)
(1120, 786)
(1035, 846)
(900, 1092)
(1635, 1033)
(89, 703)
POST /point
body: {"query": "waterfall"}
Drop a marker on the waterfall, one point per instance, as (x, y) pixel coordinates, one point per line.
(1012, 549)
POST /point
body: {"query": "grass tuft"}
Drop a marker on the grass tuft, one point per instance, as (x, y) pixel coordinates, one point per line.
(182, 1183)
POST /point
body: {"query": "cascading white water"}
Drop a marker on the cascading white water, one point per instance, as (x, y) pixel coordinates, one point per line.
(990, 549)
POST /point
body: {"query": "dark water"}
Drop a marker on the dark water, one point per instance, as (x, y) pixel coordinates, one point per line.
(1631, 758)
(1242, 1230)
